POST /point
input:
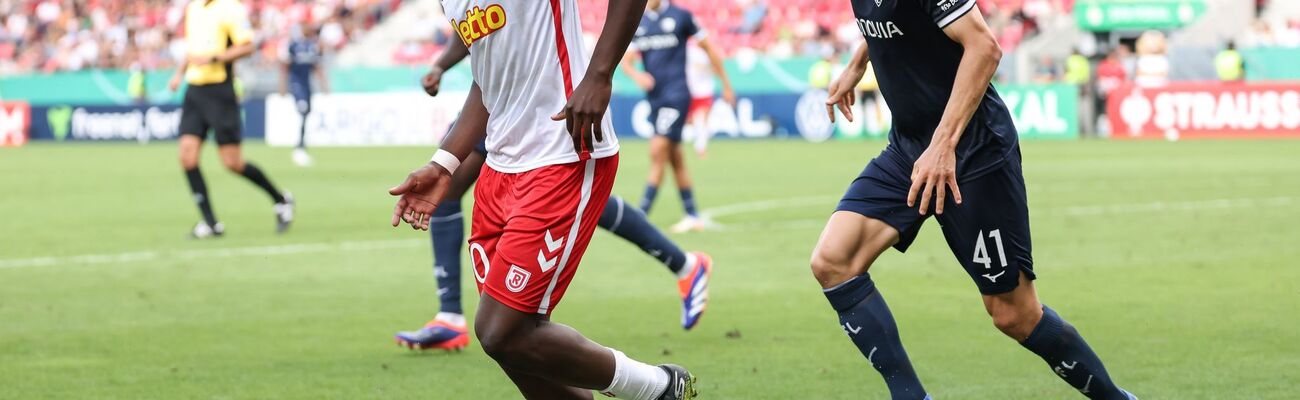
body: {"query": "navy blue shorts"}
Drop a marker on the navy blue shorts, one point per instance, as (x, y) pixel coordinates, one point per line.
(669, 118)
(988, 232)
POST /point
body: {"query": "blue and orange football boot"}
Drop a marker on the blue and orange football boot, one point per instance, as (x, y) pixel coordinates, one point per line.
(694, 289)
(435, 335)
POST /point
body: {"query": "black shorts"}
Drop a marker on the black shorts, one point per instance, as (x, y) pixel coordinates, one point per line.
(669, 118)
(212, 107)
(988, 232)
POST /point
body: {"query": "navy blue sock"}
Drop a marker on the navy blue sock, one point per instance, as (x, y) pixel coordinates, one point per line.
(865, 317)
(1058, 343)
(688, 201)
(447, 229)
(630, 224)
(649, 198)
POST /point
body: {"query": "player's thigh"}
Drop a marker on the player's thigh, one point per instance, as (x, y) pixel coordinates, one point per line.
(547, 230)
(669, 119)
(188, 150)
(660, 149)
(848, 245)
(989, 232)
(232, 156)
(222, 112)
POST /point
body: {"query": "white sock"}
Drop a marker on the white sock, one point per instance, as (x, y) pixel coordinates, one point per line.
(687, 268)
(635, 380)
(450, 318)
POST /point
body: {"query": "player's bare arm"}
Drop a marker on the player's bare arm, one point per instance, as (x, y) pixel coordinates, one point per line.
(842, 90)
(936, 170)
(175, 83)
(424, 188)
(323, 77)
(642, 78)
(585, 111)
(432, 80)
(715, 60)
(284, 77)
(231, 54)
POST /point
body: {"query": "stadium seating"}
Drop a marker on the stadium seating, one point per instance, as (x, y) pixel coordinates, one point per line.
(50, 35)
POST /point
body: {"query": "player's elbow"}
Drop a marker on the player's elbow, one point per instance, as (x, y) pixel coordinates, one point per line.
(988, 50)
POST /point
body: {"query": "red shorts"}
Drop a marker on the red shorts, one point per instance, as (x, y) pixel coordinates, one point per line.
(530, 229)
(698, 105)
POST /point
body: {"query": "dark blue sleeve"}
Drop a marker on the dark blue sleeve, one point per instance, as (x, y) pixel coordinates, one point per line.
(689, 28)
(945, 12)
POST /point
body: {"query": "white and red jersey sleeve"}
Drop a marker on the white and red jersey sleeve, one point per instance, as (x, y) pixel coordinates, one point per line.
(527, 56)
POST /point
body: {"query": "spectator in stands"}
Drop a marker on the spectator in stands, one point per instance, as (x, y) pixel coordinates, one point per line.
(753, 16)
(1078, 72)
(1229, 64)
(1111, 75)
(1152, 63)
(1045, 71)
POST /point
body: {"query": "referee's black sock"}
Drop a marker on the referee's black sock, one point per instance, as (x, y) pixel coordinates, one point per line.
(254, 174)
(199, 190)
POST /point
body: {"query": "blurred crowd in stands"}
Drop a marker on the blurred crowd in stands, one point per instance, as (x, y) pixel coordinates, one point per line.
(70, 35)
(779, 29)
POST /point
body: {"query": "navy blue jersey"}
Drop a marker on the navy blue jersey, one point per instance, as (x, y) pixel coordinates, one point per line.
(916, 65)
(303, 56)
(661, 39)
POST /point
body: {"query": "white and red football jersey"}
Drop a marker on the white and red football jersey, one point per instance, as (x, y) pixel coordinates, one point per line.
(527, 56)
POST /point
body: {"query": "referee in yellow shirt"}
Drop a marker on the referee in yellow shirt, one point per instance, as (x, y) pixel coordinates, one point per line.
(217, 33)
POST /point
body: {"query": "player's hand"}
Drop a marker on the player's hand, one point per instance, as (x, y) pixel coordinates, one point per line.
(585, 113)
(932, 174)
(175, 83)
(419, 195)
(842, 94)
(432, 81)
(729, 96)
(644, 81)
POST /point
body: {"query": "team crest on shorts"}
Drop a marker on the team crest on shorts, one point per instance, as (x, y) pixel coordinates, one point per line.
(878, 2)
(517, 279)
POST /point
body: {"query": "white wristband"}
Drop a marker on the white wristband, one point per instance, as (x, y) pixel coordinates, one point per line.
(446, 160)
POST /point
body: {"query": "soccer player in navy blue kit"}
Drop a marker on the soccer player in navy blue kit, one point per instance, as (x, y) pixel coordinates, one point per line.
(661, 41)
(934, 60)
(302, 58)
(448, 331)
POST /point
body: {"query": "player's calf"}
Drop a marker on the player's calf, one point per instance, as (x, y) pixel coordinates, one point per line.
(1042, 331)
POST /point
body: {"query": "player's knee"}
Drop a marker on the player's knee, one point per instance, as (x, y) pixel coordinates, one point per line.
(1017, 324)
(233, 164)
(506, 347)
(189, 161)
(832, 267)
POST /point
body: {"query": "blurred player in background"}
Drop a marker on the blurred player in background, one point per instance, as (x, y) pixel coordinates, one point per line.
(302, 58)
(217, 33)
(551, 161)
(699, 78)
(934, 62)
(661, 42)
(447, 229)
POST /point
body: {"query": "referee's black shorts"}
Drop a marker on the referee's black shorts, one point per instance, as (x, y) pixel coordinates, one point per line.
(212, 107)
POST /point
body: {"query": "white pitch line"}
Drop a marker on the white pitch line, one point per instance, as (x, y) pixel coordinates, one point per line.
(1073, 211)
(288, 249)
(732, 209)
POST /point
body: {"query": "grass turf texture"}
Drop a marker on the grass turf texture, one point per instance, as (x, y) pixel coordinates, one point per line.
(1192, 299)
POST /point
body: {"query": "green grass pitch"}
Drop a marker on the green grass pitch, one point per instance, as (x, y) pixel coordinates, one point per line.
(1177, 261)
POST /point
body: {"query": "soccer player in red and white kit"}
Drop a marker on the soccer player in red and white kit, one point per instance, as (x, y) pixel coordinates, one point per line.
(552, 157)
